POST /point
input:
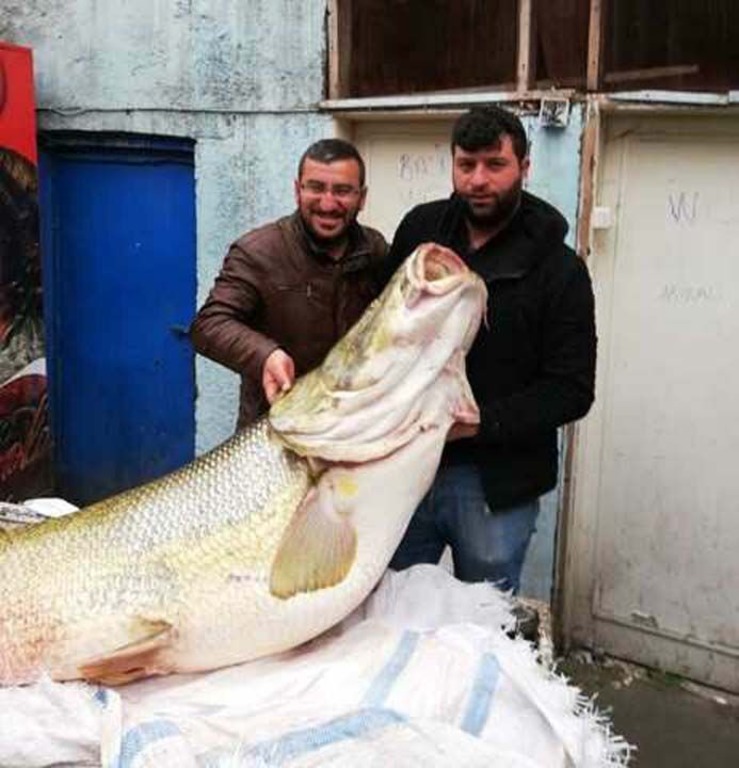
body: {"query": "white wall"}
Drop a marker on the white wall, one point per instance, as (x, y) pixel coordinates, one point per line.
(197, 55)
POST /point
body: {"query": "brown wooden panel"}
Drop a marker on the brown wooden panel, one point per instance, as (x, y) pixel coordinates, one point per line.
(416, 46)
(562, 42)
(680, 45)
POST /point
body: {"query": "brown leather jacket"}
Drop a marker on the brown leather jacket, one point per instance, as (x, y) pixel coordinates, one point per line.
(278, 289)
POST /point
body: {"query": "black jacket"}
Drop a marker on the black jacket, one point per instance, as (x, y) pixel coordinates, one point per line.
(532, 368)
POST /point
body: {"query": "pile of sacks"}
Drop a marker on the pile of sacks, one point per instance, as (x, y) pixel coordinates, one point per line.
(425, 672)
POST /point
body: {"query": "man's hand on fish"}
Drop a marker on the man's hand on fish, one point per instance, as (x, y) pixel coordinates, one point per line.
(278, 374)
(460, 431)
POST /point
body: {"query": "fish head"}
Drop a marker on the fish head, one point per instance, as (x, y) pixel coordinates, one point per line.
(399, 369)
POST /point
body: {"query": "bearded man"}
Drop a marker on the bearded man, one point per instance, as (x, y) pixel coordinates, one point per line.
(531, 367)
(290, 289)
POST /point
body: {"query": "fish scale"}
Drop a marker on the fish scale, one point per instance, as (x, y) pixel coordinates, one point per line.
(163, 533)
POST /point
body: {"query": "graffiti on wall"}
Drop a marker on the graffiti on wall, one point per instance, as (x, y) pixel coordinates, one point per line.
(25, 447)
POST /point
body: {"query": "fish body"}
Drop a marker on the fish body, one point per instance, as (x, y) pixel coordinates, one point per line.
(272, 537)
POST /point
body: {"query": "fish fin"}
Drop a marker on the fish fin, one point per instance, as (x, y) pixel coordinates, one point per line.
(319, 545)
(138, 659)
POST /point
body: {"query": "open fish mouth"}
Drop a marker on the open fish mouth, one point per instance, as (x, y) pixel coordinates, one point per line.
(434, 264)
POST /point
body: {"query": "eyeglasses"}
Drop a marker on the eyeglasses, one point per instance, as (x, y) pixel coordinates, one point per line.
(339, 191)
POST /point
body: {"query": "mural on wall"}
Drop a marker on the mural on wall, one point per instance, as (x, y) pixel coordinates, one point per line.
(25, 447)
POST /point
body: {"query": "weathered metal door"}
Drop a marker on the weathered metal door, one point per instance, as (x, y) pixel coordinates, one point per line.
(652, 570)
(119, 274)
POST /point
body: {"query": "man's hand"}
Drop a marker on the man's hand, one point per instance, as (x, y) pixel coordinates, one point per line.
(460, 430)
(278, 374)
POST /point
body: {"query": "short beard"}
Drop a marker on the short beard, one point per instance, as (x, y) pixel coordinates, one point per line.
(329, 242)
(506, 206)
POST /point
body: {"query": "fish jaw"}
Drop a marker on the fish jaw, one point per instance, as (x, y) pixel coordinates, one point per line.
(369, 396)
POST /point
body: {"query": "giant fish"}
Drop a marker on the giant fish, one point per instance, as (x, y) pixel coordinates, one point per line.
(272, 537)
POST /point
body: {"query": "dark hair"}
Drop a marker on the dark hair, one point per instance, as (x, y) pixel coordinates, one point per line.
(482, 127)
(330, 150)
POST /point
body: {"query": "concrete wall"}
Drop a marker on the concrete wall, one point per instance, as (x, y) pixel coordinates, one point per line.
(241, 78)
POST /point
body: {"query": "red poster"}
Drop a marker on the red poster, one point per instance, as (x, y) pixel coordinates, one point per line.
(17, 108)
(24, 435)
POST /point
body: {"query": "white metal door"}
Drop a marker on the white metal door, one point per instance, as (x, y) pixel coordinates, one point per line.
(652, 565)
(408, 163)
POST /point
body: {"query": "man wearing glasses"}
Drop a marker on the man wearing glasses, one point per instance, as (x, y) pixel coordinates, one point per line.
(287, 291)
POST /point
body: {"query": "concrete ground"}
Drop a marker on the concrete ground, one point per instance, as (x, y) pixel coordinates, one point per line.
(672, 722)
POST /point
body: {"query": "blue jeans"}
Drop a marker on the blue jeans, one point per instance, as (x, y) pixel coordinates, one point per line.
(486, 545)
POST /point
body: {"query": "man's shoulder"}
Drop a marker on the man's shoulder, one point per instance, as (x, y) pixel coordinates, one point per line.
(562, 258)
(265, 235)
(435, 220)
(429, 211)
(545, 224)
(565, 269)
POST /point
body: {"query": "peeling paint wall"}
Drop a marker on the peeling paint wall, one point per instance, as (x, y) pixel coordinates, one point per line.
(555, 172)
(180, 55)
(241, 78)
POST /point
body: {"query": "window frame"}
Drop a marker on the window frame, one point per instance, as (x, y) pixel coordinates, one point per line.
(339, 15)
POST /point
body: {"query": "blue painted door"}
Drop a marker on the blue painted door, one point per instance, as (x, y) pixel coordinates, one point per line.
(118, 229)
